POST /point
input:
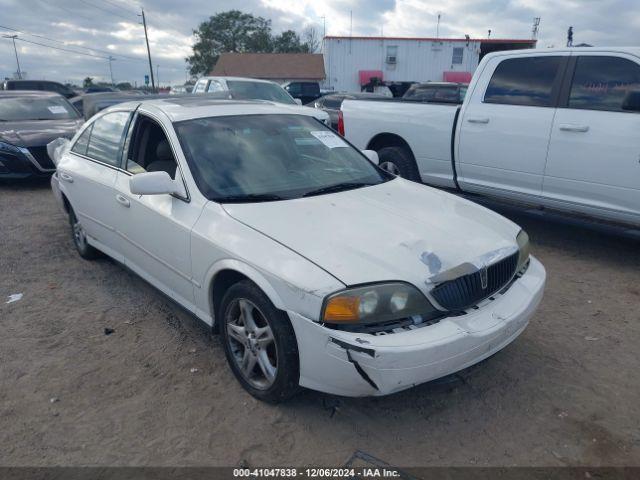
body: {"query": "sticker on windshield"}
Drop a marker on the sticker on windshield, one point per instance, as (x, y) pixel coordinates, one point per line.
(57, 109)
(329, 139)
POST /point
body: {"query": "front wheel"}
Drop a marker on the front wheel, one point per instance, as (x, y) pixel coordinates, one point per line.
(259, 343)
(79, 236)
(398, 161)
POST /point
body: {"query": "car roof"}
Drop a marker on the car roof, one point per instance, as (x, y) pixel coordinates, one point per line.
(569, 50)
(235, 79)
(178, 108)
(29, 93)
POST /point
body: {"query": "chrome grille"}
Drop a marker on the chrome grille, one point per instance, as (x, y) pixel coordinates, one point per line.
(468, 290)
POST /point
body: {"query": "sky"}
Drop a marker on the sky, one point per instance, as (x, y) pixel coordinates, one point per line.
(93, 30)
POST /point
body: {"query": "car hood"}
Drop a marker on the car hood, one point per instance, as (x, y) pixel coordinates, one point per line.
(398, 230)
(34, 133)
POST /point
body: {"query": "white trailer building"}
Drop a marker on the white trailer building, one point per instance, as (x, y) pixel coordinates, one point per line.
(350, 62)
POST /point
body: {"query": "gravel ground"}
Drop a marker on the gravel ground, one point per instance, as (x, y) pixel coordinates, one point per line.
(565, 393)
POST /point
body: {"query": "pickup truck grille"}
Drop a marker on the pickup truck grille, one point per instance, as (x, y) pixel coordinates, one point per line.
(42, 157)
(466, 291)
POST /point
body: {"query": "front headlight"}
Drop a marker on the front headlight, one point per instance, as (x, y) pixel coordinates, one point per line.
(7, 147)
(523, 248)
(375, 304)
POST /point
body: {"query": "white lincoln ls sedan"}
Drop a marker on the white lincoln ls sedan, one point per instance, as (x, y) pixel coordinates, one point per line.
(317, 268)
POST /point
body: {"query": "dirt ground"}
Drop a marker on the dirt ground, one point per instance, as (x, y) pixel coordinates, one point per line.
(565, 393)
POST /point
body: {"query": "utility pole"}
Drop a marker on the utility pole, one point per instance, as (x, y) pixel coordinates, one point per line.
(438, 25)
(13, 37)
(146, 37)
(158, 74)
(111, 59)
(535, 28)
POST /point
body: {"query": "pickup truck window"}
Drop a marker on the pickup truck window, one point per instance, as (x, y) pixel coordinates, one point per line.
(604, 83)
(527, 81)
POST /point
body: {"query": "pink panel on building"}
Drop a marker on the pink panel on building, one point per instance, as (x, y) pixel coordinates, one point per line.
(457, 77)
(366, 75)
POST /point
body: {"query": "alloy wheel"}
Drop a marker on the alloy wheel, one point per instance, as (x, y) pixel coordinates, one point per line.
(390, 167)
(252, 343)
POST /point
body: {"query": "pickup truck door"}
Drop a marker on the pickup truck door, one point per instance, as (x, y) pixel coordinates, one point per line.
(504, 127)
(593, 165)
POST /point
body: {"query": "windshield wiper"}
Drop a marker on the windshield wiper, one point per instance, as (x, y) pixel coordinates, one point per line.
(338, 187)
(249, 198)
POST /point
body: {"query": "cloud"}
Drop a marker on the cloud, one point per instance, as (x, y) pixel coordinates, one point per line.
(112, 28)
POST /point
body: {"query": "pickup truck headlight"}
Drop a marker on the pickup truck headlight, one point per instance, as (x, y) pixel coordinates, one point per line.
(375, 304)
(524, 250)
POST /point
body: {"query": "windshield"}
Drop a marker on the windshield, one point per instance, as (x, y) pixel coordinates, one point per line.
(259, 91)
(35, 108)
(271, 157)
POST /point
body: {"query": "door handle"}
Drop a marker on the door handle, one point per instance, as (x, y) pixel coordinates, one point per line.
(566, 127)
(122, 200)
(66, 177)
(478, 120)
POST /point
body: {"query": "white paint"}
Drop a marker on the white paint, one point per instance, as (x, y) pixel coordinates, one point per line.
(519, 153)
(302, 250)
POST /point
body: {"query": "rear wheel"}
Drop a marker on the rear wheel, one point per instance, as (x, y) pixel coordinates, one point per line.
(79, 236)
(259, 343)
(398, 161)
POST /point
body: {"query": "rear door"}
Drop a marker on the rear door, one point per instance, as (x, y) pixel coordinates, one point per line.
(89, 174)
(505, 126)
(594, 155)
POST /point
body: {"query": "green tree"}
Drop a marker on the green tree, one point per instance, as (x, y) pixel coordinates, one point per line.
(232, 31)
(87, 82)
(288, 42)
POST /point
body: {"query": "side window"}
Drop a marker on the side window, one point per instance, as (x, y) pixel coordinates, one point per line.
(458, 55)
(82, 142)
(333, 102)
(150, 150)
(107, 138)
(604, 83)
(200, 86)
(214, 86)
(525, 81)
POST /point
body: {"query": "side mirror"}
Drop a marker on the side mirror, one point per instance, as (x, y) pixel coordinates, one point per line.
(298, 101)
(154, 183)
(631, 102)
(372, 155)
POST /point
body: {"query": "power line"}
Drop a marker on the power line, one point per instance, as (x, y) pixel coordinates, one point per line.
(65, 43)
(105, 10)
(131, 12)
(62, 49)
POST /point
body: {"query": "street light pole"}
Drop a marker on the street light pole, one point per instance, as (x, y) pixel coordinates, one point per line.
(146, 37)
(13, 37)
(111, 59)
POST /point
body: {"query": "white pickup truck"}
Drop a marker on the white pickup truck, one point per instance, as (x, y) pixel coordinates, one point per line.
(556, 128)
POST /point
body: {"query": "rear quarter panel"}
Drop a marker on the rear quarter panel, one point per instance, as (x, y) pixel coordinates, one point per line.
(426, 128)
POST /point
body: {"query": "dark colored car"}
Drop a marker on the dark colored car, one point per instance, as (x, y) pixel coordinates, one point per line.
(436, 92)
(331, 103)
(28, 122)
(306, 92)
(100, 89)
(39, 85)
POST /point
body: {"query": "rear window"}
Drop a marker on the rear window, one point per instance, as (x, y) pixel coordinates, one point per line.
(603, 83)
(34, 108)
(259, 91)
(525, 81)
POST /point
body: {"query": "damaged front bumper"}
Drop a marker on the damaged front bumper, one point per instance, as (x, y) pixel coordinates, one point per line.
(360, 364)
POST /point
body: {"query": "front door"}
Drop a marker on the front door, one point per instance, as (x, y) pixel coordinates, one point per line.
(156, 229)
(594, 154)
(505, 126)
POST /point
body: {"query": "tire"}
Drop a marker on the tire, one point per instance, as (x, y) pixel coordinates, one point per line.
(400, 162)
(266, 366)
(79, 238)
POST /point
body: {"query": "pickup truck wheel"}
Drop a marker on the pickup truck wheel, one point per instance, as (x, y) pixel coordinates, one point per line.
(399, 162)
(259, 343)
(79, 236)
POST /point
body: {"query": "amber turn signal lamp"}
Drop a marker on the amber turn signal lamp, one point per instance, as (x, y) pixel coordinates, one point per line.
(342, 309)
